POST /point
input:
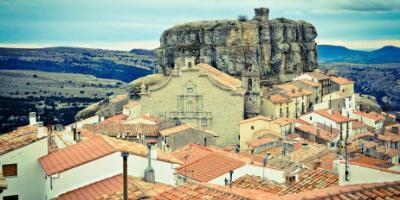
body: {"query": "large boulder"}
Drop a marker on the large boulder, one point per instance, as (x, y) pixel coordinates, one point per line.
(280, 48)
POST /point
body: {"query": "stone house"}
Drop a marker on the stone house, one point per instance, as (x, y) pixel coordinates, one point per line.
(312, 86)
(320, 78)
(249, 127)
(277, 105)
(199, 95)
(371, 119)
(174, 138)
(300, 97)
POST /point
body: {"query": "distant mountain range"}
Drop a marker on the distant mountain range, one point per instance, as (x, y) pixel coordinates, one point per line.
(120, 65)
(329, 53)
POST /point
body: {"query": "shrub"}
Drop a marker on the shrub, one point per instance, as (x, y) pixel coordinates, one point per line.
(242, 18)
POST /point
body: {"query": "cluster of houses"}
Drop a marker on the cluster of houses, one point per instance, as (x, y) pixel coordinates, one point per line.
(303, 139)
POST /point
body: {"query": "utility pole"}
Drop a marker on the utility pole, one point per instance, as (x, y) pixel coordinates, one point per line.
(125, 173)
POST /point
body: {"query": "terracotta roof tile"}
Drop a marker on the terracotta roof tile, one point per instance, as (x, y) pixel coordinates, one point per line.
(310, 83)
(131, 104)
(283, 121)
(177, 129)
(387, 136)
(16, 139)
(313, 179)
(312, 130)
(386, 190)
(116, 118)
(112, 188)
(257, 183)
(114, 129)
(292, 90)
(278, 98)
(371, 162)
(193, 191)
(371, 115)
(210, 167)
(334, 116)
(341, 80)
(257, 118)
(75, 155)
(258, 142)
(318, 75)
(222, 77)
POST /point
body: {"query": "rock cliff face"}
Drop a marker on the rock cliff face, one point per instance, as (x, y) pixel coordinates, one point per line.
(280, 48)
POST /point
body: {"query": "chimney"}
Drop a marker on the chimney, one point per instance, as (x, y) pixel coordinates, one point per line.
(318, 132)
(149, 175)
(205, 141)
(41, 130)
(32, 118)
(124, 156)
(316, 165)
(261, 14)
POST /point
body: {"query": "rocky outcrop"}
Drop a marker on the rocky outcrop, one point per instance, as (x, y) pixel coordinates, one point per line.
(280, 48)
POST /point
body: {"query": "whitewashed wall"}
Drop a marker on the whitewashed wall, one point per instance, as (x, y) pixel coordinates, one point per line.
(29, 182)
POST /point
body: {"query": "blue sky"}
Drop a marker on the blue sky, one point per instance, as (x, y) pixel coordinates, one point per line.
(127, 24)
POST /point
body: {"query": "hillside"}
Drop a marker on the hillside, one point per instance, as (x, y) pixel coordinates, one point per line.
(120, 65)
(60, 95)
(329, 53)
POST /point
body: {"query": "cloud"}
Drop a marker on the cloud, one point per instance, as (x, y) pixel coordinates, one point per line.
(369, 5)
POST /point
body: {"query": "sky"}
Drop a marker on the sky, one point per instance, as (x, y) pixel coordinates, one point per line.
(127, 24)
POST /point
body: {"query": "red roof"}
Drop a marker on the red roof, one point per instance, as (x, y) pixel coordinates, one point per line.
(75, 155)
(371, 162)
(334, 116)
(371, 115)
(257, 183)
(113, 186)
(210, 167)
(114, 129)
(341, 80)
(116, 118)
(221, 77)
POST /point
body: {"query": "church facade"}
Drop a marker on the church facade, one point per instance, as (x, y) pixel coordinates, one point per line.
(199, 95)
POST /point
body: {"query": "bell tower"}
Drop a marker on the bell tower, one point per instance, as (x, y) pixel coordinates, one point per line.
(251, 82)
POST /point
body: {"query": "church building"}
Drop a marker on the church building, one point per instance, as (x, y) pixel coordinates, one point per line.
(200, 95)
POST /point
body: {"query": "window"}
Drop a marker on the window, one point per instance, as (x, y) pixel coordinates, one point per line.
(189, 90)
(290, 179)
(12, 197)
(310, 118)
(204, 121)
(10, 170)
(252, 127)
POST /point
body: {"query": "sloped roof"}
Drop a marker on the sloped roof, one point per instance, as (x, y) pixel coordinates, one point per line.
(341, 80)
(116, 118)
(310, 83)
(312, 179)
(334, 116)
(258, 142)
(257, 118)
(365, 160)
(292, 90)
(16, 139)
(114, 129)
(112, 188)
(326, 135)
(191, 152)
(278, 98)
(212, 192)
(257, 183)
(177, 129)
(75, 155)
(318, 75)
(283, 121)
(131, 104)
(371, 115)
(210, 167)
(220, 76)
(386, 190)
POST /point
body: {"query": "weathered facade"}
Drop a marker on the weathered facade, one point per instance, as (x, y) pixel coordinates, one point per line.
(199, 95)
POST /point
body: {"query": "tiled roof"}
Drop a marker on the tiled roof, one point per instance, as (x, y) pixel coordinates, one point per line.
(386, 136)
(300, 121)
(327, 160)
(355, 124)
(257, 183)
(326, 135)
(257, 118)
(371, 115)
(148, 117)
(114, 129)
(341, 80)
(16, 139)
(310, 83)
(177, 129)
(194, 191)
(292, 90)
(386, 190)
(312, 151)
(222, 77)
(138, 149)
(334, 116)
(386, 151)
(75, 155)
(312, 179)
(191, 153)
(112, 188)
(332, 129)
(371, 162)
(258, 142)
(283, 121)
(278, 98)
(131, 104)
(116, 118)
(210, 167)
(318, 75)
